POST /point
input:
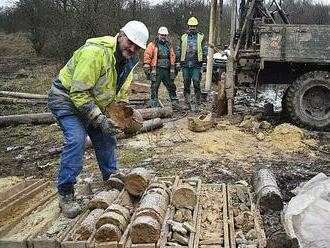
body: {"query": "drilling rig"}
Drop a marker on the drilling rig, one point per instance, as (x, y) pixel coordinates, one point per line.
(266, 49)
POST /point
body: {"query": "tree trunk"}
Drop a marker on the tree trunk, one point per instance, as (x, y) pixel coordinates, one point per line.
(137, 181)
(9, 100)
(151, 125)
(267, 191)
(151, 113)
(35, 119)
(23, 95)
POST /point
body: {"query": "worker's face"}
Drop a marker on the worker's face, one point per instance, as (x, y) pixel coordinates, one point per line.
(127, 47)
(192, 28)
(162, 37)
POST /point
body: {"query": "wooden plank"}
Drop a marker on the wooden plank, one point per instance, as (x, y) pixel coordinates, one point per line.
(225, 217)
(5, 228)
(19, 190)
(5, 195)
(232, 235)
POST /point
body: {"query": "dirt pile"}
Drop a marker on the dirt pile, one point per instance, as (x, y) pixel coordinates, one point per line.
(289, 138)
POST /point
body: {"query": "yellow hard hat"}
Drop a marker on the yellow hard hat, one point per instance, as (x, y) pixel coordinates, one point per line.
(192, 21)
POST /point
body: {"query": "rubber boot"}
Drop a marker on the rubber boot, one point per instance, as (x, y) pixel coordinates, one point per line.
(70, 208)
(187, 101)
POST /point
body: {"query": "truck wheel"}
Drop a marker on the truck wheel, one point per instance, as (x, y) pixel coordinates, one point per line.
(308, 100)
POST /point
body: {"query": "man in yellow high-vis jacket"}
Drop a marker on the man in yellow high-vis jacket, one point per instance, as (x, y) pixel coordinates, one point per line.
(98, 74)
(191, 53)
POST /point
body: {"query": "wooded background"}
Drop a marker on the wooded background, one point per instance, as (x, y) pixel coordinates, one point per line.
(57, 27)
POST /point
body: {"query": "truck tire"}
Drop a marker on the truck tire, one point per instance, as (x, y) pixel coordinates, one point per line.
(308, 100)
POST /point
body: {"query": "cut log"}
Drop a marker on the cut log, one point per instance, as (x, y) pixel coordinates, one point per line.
(137, 181)
(268, 193)
(152, 113)
(145, 229)
(154, 203)
(87, 227)
(114, 183)
(119, 209)
(103, 199)
(108, 233)
(23, 95)
(9, 100)
(184, 196)
(112, 218)
(35, 119)
(151, 125)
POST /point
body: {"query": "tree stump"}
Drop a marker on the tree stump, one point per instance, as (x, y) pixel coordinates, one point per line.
(184, 196)
(137, 181)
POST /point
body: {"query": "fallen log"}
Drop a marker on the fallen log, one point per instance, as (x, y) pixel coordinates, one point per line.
(35, 119)
(184, 196)
(152, 113)
(151, 125)
(87, 227)
(108, 233)
(268, 193)
(145, 229)
(9, 100)
(137, 181)
(103, 199)
(23, 95)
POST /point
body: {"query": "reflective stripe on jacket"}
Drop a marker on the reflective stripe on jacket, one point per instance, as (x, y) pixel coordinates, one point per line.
(150, 54)
(184, 41)
(90, 74)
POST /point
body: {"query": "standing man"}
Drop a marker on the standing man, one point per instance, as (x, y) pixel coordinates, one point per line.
(191, 54)
(159, 66)
(98, 74)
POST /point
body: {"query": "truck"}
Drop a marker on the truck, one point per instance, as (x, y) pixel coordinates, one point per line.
(266, 49)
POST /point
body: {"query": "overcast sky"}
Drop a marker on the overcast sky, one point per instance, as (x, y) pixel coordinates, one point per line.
(4, 3)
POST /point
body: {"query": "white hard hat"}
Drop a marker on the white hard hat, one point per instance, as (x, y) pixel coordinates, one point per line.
(163, 30)
(136, 32)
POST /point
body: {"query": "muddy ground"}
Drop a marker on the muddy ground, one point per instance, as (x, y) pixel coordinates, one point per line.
(229, 152)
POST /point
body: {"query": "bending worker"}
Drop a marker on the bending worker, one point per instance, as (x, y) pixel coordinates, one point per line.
(191, 53)
(159, 66)
(98, 74)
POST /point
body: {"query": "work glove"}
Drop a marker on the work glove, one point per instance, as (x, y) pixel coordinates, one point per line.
(204, 67)
(172, 73)
(91, 114)
(153, 75)
(108, 127)
(147, 70)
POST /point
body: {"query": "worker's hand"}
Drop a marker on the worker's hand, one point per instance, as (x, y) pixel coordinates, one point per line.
(147, 70)
(204, 67)
(177, 66)
(153, 75)
(172, 74)
(107, 126)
